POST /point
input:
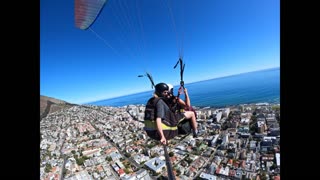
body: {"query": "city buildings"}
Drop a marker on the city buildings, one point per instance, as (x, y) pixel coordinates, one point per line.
(100, 142)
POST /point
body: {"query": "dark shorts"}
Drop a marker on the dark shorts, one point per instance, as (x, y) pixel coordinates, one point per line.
(179, 116)
(185, 127)
(168, 134)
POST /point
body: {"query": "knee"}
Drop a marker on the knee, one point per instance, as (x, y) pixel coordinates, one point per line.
(192, 114)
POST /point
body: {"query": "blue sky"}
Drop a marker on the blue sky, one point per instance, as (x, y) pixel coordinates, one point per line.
(131, 37)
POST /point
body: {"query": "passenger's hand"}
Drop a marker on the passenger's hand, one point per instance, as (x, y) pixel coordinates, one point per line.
(163, 140)
(185, 91)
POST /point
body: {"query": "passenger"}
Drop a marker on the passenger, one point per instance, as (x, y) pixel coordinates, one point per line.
(182, 109)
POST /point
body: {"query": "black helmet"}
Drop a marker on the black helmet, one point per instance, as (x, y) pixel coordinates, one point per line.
(160, 87)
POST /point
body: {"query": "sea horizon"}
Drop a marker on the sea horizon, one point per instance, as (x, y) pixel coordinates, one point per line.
(261, 86)
(215, 78)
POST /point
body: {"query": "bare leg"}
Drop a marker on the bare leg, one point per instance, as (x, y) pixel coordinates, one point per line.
(191, 115)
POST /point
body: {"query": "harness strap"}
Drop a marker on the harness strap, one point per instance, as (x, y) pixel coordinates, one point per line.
(182, 66)
(152, 125)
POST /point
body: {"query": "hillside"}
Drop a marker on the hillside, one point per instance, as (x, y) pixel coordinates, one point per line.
(49, 105)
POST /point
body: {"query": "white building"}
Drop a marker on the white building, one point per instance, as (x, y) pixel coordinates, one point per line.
(82, 175)
(218, 116)
(226, 112)
(278, 159)
(208, 176)
(156, 164)
(225, 139)
(214, 140)
(245, 120)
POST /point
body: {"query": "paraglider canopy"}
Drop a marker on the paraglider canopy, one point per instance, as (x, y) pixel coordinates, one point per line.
(86, 12)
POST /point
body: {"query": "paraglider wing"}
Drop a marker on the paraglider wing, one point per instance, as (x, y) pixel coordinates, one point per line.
(86, 12)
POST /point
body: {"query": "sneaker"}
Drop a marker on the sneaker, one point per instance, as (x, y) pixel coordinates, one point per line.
(195, 135)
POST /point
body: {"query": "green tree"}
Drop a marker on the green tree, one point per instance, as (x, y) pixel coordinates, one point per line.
(274, 166)
(252, 129)
(48, 168)
(154, 155)
(188, 160)
(275, 108)
(198, 143)
(64, 172)
(178, 172)
(127, 171)
(81, 160)
(109, 158)
(224, 126)
(171, 154)
(127, 155)
(85, 157)
(263, 176)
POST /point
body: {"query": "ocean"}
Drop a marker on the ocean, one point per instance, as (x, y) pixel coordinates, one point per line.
(246, 88)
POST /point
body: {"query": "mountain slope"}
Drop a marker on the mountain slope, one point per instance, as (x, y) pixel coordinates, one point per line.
(49, 105)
